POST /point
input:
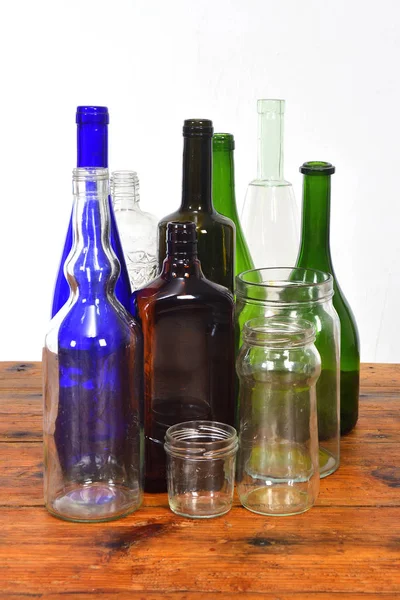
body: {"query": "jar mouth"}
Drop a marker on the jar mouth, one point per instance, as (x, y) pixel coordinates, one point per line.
(278, 332)
(201, 440)
(284, 285)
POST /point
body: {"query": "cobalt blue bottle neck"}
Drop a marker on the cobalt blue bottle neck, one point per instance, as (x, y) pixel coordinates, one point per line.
(92, 269)
(92, 136)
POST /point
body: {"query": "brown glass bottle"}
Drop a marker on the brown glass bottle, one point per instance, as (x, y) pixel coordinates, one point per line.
(188, 332)
(215, 233)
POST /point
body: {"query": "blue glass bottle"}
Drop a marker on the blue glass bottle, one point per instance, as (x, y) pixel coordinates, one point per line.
(93, 376)
(92, 146)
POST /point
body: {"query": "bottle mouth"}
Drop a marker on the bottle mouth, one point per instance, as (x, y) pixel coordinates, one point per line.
(317, 167)
(125, 183)
(270, 106)
(197, 128)
(92, 114)
(201, 440)
(284, 285)
(223, 141)
(90, 174)
(278, 332)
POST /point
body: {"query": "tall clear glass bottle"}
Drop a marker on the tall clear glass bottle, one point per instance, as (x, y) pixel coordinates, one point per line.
(315, 253)
(216, 233)
(188, 333)
(269, 215)
(92, 146)
(138, 229)
(93, 376)
(224, 195)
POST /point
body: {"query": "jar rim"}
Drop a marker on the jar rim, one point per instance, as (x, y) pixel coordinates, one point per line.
(201, 440)
(279, 332)
(284, 285)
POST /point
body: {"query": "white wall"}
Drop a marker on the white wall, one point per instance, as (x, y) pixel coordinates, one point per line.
(156, 62)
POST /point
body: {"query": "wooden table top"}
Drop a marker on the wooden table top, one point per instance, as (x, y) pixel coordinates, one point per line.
(346, 547)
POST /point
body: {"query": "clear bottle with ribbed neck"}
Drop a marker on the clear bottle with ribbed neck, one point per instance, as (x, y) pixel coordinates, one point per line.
(224, 199)
(92, 151)
(216, 233)
(315, 253)
(188, 333)
(93, 375)
(137, 229)
(269, 217)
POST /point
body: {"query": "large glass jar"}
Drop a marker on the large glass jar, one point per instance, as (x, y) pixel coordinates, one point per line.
(302, 294)
(278, 367)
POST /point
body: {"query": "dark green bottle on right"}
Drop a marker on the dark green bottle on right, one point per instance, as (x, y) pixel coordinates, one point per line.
(315, 253)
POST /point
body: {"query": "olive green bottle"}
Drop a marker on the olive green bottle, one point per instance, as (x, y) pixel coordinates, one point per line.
(215, 233)
(315, 253)
(223, 180)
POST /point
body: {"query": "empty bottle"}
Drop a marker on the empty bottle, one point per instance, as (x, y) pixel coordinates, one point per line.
(92, 146)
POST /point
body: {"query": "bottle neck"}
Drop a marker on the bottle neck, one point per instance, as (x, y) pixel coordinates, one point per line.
(315, 235)
(270, 146)
(92, 145)
(125, 190)
(92, 268)
(224, 183)
(196, 182)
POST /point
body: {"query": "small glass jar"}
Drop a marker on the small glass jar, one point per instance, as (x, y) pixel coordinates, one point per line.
(302, 294)
(278, 367)
(201, 468)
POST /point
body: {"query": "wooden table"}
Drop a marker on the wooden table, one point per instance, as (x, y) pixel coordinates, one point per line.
(346, 547)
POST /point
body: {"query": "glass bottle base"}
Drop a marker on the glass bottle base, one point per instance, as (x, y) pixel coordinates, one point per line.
(201, 505)
(279, 500)
(328, 463)
(94, 503)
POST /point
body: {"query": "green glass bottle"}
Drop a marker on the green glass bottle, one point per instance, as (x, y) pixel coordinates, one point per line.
(215, 233)
(224, 200)
(315, 253)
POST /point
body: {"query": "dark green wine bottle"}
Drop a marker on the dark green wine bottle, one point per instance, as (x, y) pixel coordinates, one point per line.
(215, 233)
(315, 253)
(224, 200)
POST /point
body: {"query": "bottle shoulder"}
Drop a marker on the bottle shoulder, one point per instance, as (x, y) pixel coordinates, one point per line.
(203, 219)
(184, 291)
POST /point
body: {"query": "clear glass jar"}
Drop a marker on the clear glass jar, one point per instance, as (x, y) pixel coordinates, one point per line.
(302, 294)
(278, 367)
(201, 468)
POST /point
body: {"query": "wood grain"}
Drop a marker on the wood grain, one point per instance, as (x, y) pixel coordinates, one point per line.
(345, 548)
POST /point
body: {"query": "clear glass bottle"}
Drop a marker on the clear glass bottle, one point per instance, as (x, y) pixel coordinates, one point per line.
(269, 216)
(315, 253)
(93, 376)
(137, 229)
(92, 151)
(188, 331)
(224, 195)
(302, 294)
(278, 367)
(216, 233)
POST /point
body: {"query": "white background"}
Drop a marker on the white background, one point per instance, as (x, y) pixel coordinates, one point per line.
(156, 62)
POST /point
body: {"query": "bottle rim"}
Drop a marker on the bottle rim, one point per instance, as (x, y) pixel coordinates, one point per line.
(223, 141)
(317, 167)
(278, 332)
(201, 440)
(284, 285)
(90, 174)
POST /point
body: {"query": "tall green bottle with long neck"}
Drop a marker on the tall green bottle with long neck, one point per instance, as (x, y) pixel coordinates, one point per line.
(224, 200)
(315, 253)
(215, 233)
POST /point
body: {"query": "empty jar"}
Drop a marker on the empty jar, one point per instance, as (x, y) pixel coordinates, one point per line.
(278, 367)
(302, 294)
(201, 468)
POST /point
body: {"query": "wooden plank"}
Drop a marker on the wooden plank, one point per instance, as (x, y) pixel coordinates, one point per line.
(21, 417)
(369, 476)
(324, 550)
(199, 596)
(29, 374)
